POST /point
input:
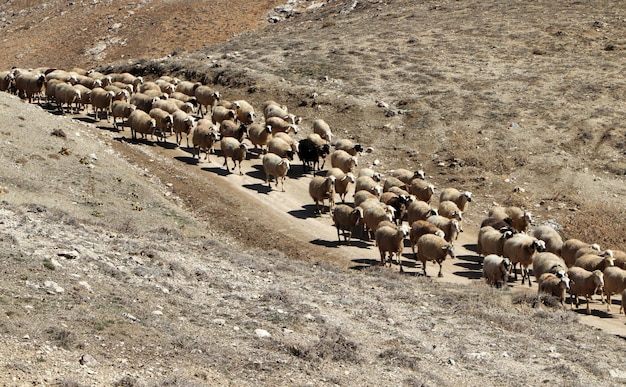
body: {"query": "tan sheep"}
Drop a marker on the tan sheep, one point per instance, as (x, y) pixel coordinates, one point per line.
(279, 125)
(450, 227)
(346, 219)
(454, 195)
(522, 248)
(141, 122)
(323, 129)
(280, 147)
(554, 242)
(584, 283)
(342, 182)
(121, 109)
(375, 212)
(320, 189)
(593, 262)
(419, 228)
(143, 102)
(30, 84)
(422, 190)
(366, 183)
(491, 241)
(361, 196)
(570, 248)
(419, 210)
(391, 181)
(434, 248)
(496, 270)
(520, 219)
(101, 100)
(407, 176)
(348, 146)
(343, 160)
(220, 113)
(204, 136)
(368, 172)
(245, 112)
(614, 283)
(229, 128)
(207, 98)
(164, 121)
(450, 210)
(260, 136)
(553, 285)
(274, 165)
(67, 94)
(182, 123)
(547, 262)
(390, 239)
(188, 87)
(234, 149)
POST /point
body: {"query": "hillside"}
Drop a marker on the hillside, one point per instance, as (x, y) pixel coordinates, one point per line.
(129, 263)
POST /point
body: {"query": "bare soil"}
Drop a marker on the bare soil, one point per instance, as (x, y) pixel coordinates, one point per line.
(130, 263)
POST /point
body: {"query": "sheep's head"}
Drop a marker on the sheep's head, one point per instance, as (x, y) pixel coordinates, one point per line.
(419, 174)
(468, 196)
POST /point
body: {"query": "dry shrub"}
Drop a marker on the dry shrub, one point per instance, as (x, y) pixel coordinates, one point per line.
(332, 345)
(64, 338)
(396, 357)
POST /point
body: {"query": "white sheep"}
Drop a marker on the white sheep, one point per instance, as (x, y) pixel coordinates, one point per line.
(101, 100)
(348, 146)
(323, 129)
(390, 239)
(419, 210)
(182, 123)
(141, 122)
(520, 219)
(450, 210)
(346, 218)
(496, 270)
(273, 109)
(491, 241)
(274, 165)
(234, 149)
(30, 84)
(614, 283)
(522, 248)
(280, 147)
(593, 262)
(391, 182)
(207, 98)
(260, 136)
(343, 160)
(220, 113)
(7, 80)
(245, 112)
(553, 240)
(67, 94)
(375, 212)
(361, 196)
(450, 227)
(164, 121)
(204, 136)
(368, 172)
(121, 109)
(229, 128)
(422, 190)
(280, 125)
(188, 87)
(143, 102)
(422, 227)
(454, 195)
(342, 182)
(584, 283)
(570, 248)
(320, 189)
(407, 176)
(553, 285)
(547, 262)
(432, 247)
(366, 183)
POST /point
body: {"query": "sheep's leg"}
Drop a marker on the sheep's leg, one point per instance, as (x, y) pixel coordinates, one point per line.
(440, 270)
(424, 268)
(588, 306)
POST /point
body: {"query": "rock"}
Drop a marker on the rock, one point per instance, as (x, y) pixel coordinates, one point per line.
(618, 374)
(262, 333)
(88, 360)
(85, 285)
(219, 321)
(53, 288)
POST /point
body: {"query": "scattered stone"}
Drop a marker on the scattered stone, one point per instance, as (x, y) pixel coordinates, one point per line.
(618, 374)
(53, 288)
(130, 316)
(68, 254)
(88, 360)
(262, 333)
(309, 317)
(219, 321)
(157, 313)
(59, 133)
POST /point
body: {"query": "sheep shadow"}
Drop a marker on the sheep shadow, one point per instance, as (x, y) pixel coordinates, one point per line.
(135, 141)
(168, 145)
(307, 211)
(336, 244)
(257, 172)
(582, 310)
(221, 171)
(259, 188)
(187, 160)
(471, 247)
(364, 263)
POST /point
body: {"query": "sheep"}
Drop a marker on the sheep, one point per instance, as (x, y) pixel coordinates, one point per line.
(272, 109)
(310, 154)
(366, 183)
(450, 227)
(454, 195)
(520, 219)
(323, 129)
(407, 176)
(66, 94)
(166, 86)
(497, 223)
(368, 172)
(121, 109)
(620, 259)
(450, 210)
(229, 128)
(348, 146)
(320, 189)
(419, 210)
(127, 78)
(422, 190)
(342, 181)
(398, 202)
(554, 286)
(260, 136)
(593, 262)
(419, 228)
(188, 87)
(391, 181)
(592, 250)
(361, 196)
(87, 81)
(220, 113)
(375, 212)
(117, 87)
(346, 218)
(280, 147)
(85, 96)
(164, 121)
(491, 240)
(343, 160)
(150, 86)
(547, 262)
(182, 123)
(274, 165)
(204, 136)
(184, 98)
(614, 283)
(101, 100)
(62, 76)
(143, 102)
(496, 270)
(623, 304)
(206, 98)
(7, 80)
(187, 107)
(30, 84)
(105, 79)
(571, 246)
(280, 125)
(432, 247)
(245, 112)
(585, 283)
(141, 122)
(390, 239)
(522, 248)
(234, 149)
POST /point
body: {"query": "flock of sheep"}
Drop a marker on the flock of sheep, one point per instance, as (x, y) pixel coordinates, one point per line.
(389, 208)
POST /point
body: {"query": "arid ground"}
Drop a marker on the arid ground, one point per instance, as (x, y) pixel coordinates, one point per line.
(129, 263)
